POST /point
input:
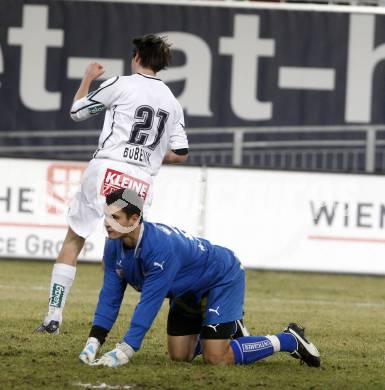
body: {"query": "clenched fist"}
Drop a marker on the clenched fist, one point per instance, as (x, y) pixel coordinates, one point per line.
(93, 71)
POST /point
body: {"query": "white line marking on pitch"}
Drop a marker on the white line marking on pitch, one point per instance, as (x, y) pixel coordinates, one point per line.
(36, 288)
(101, 386)
(370, 305)
(10, 287)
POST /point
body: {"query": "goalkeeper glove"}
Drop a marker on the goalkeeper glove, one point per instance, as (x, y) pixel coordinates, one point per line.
(89, 352)
(117, 357)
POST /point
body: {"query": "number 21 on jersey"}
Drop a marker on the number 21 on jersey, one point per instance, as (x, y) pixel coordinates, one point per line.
(141, 129)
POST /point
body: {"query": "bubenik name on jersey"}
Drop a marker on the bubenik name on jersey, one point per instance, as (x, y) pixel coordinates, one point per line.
(137, 153)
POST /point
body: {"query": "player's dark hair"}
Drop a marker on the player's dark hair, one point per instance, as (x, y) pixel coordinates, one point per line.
(130, 209)
(154, 52)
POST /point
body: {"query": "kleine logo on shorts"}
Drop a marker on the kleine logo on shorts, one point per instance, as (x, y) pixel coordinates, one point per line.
(63, 181)
(114, 180)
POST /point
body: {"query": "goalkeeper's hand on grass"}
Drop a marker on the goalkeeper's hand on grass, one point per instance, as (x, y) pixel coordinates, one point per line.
(89, 352)
(117, 357)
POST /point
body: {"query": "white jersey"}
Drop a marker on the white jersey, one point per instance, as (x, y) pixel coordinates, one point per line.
(143, 120)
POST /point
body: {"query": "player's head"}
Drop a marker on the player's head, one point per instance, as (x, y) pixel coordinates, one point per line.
(151, 52)
(123, 212)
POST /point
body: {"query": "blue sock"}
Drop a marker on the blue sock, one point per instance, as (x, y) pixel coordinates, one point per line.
(288, 342)
(250, 349)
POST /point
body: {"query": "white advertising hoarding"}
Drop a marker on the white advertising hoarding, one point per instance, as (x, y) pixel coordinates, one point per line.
(271, 219)
(298, 221)
(34, 198)
(178, 198)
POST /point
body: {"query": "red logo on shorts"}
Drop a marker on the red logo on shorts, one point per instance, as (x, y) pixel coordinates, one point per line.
(114, 180)
(63, 181)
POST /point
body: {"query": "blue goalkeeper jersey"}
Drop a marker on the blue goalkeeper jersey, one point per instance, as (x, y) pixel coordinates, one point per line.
(167, 262)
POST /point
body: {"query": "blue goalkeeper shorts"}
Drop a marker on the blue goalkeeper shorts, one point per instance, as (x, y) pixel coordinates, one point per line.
(225, 302)
(216, 312)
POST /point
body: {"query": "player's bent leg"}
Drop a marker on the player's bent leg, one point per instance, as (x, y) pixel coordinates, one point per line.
(217, 352)
(215, 342)
(183, 327)
(182, 348)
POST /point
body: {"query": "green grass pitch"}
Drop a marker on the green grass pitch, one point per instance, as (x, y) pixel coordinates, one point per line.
(343, 315)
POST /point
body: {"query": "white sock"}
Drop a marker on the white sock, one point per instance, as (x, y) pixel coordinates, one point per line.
(62, 278)
(275, 342)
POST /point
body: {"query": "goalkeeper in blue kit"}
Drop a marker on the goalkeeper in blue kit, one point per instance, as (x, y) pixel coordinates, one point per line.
(205, 284)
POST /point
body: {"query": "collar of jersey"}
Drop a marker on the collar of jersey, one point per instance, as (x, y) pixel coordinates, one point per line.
(135, 251)
(148, 76)
(139, 243)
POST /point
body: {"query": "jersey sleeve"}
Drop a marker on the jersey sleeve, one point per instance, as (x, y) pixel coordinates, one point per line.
(97, 101)
(112, 292)
(178, 137)
(162, 268)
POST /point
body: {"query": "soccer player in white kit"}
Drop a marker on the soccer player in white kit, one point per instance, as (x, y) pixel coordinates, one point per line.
(143, 127)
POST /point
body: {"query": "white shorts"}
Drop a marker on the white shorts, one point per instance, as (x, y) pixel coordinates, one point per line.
(99, 179)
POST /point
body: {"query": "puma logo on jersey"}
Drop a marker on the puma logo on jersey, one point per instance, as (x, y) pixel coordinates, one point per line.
(160, 265)
(213, 326)
(216, 311)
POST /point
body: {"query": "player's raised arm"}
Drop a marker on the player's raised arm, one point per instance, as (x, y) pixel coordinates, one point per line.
(84, 104)
(92, 72)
